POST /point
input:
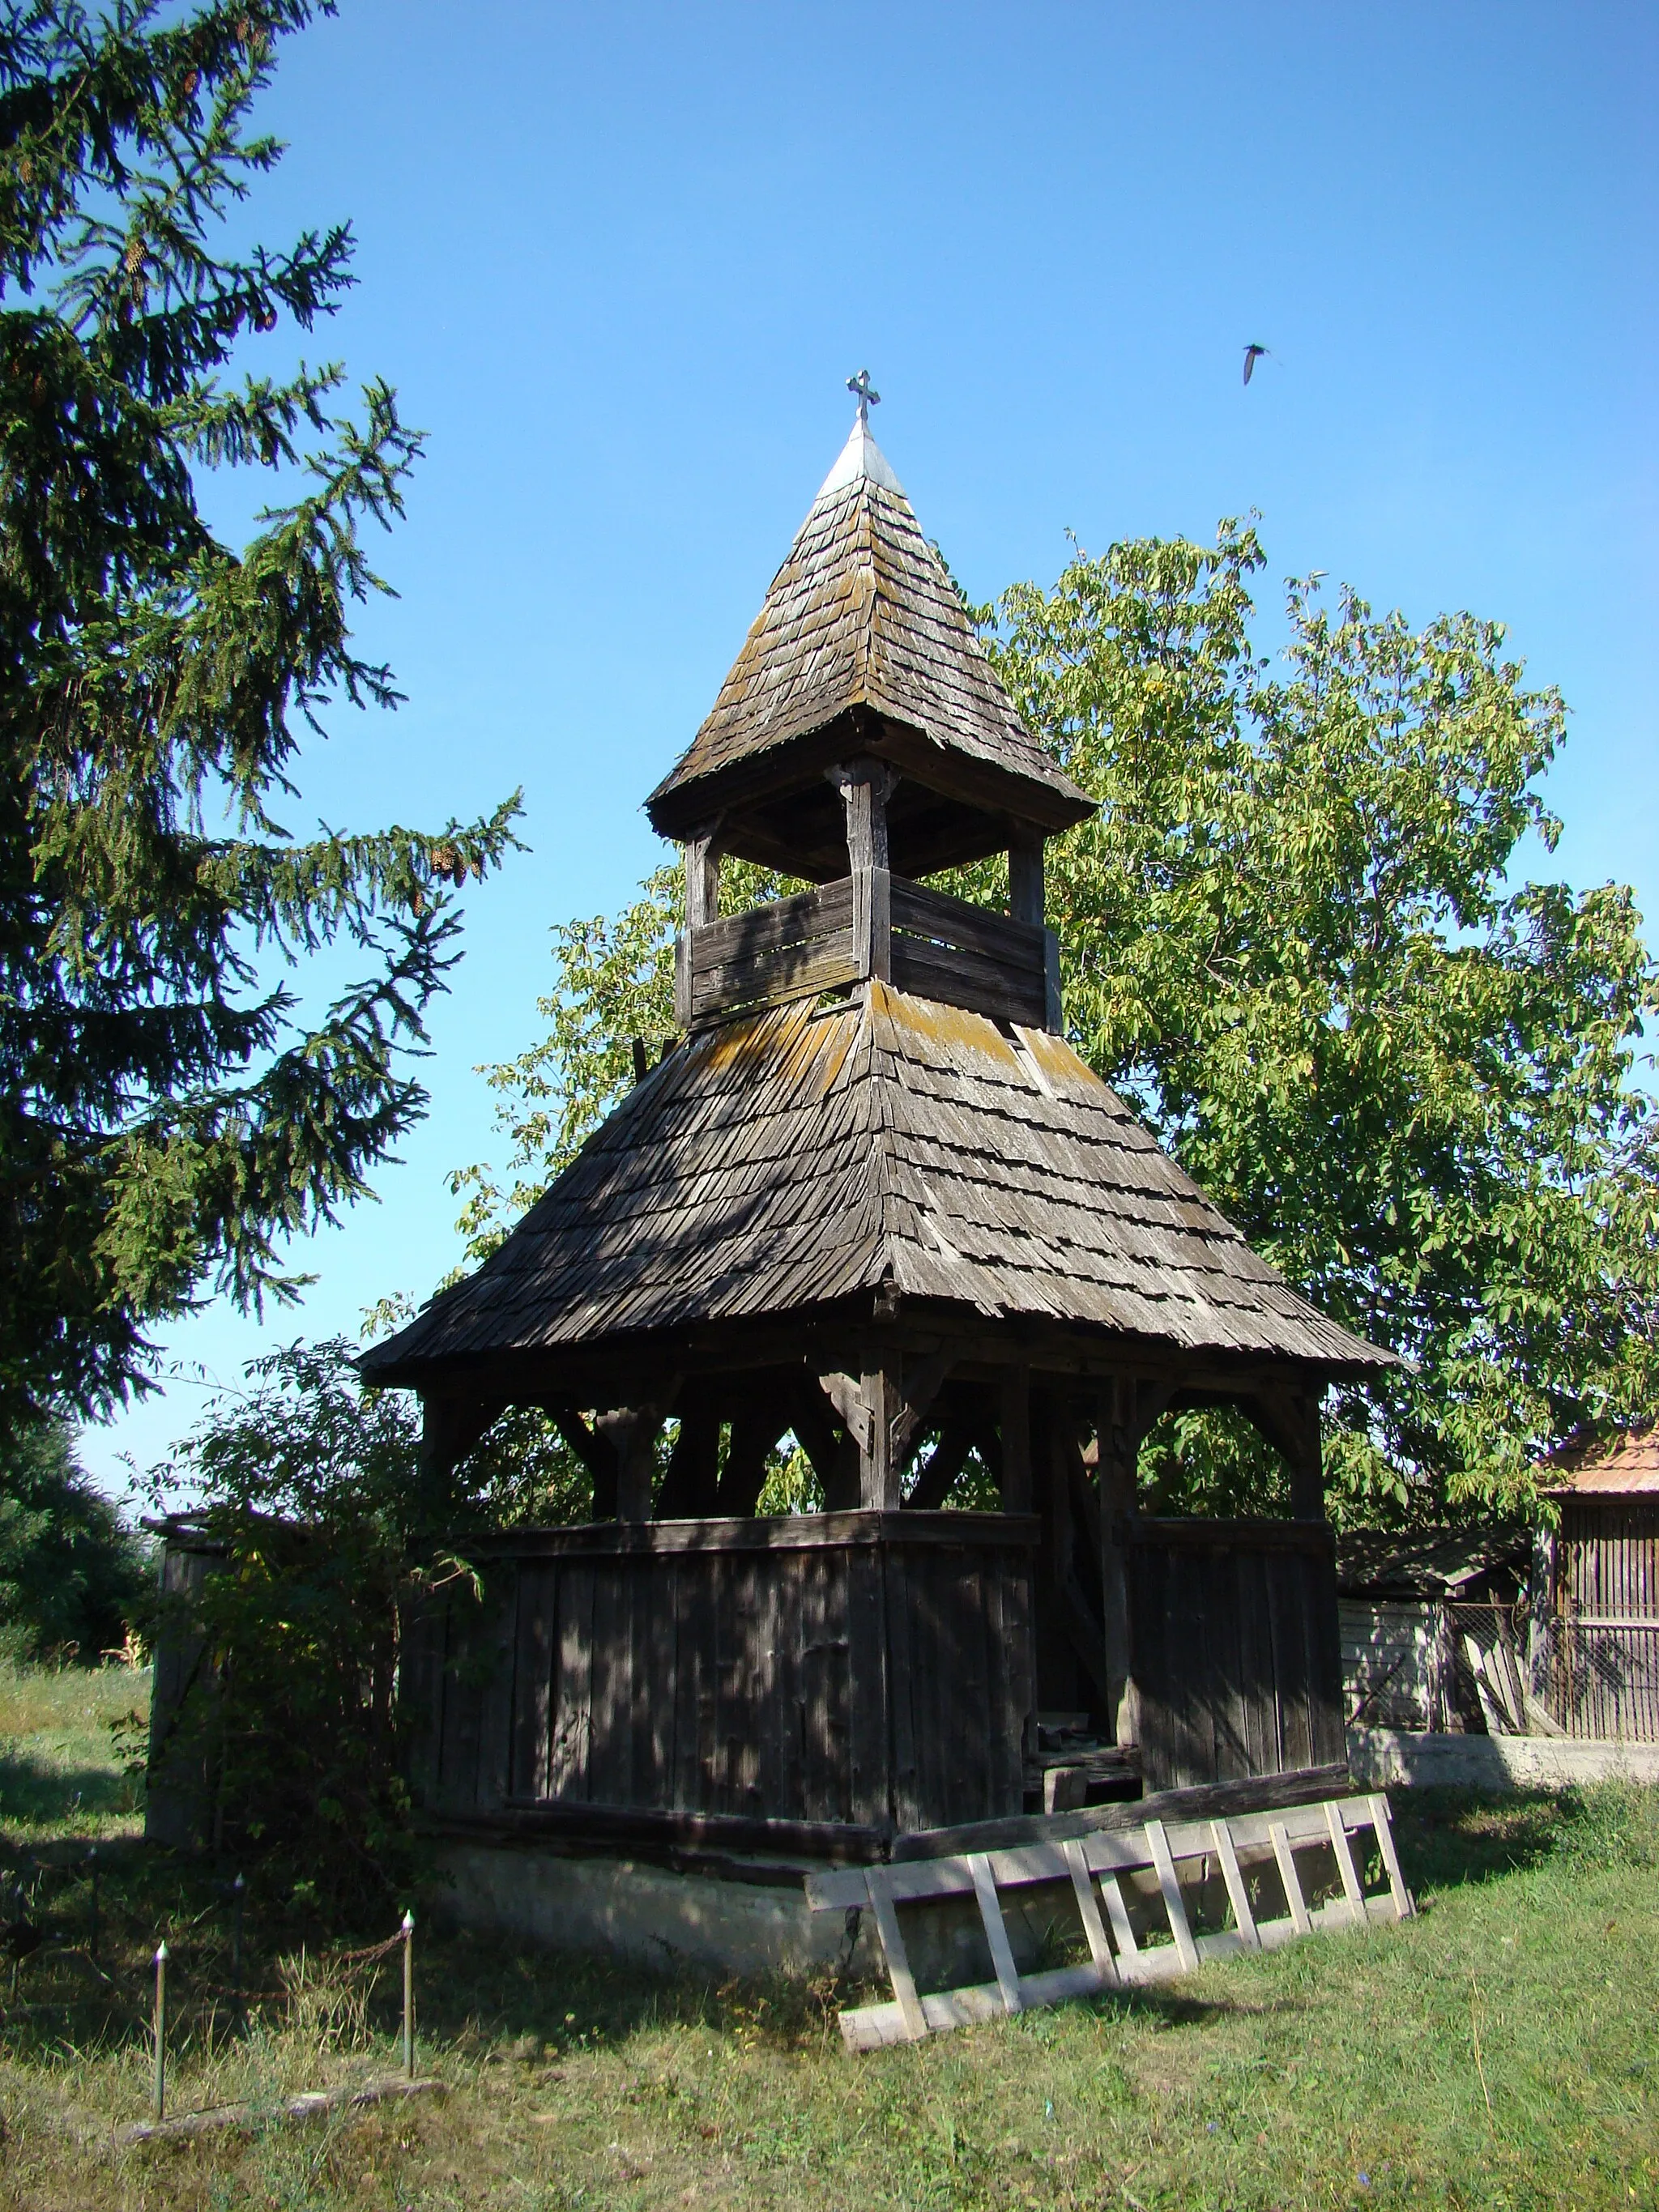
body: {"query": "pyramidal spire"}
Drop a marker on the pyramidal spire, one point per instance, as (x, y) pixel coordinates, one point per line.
(862, 649)
(861, 457)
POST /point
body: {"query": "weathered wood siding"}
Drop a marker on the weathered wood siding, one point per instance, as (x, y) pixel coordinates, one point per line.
(1397, 1655)
(178, 1782)
(1235, 1649)
(1607, 1556)
(868, 1668)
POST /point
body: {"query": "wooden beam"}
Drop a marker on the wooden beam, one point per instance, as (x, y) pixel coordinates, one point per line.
(690, 1485)
(632, 1432)
(865, 786)
(756, 1428)
(920, 1383)
(450, 1427)
(1288, 1420)
(945, 1462)
(597, 1452)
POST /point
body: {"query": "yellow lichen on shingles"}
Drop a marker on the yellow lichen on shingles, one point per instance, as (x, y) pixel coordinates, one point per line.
(944, 1026)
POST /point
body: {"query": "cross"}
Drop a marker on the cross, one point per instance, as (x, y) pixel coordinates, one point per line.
(867, 398)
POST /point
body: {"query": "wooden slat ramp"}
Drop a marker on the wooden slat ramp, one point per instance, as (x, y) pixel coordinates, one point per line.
(1093, 1864)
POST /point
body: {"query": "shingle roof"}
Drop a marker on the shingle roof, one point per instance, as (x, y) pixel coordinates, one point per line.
(805, 1155)
(1427, 1562)
(862, 614)
(1629, 1466)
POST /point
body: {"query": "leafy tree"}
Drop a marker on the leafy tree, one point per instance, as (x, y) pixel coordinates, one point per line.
(1296, 937)
(72, 1577)
(311, 1488)
(167, 1117)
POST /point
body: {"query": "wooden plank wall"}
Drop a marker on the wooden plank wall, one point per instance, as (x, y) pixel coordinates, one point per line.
(941, 948)
(1234, 1648)
(1396, 1658)
(1607, 1555)
(885, 1682)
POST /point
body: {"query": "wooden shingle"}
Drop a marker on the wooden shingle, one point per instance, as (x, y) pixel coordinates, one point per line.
(806, 1155)
(862, 616)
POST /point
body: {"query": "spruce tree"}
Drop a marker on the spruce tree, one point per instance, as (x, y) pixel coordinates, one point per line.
(167, 1117)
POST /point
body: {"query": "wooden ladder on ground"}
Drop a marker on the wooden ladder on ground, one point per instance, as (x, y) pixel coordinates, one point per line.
(1092, 1864)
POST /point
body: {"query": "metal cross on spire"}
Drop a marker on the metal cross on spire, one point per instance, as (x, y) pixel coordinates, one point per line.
(864, 392)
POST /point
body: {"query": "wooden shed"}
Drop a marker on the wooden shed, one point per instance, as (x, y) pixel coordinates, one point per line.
(1597, 1657)
(871, 1200)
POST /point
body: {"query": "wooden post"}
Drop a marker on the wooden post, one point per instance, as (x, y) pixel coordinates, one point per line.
(1025, 891)
(702, 880)
(865, 786)
(1289, 1419)
(632, 1431)
(1116, 1450)
(449, 1429)
(1307, 1467)
(1016, 1427)
(879, 1472)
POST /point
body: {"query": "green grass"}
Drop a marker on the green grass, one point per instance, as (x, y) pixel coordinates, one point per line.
(1499, 2050)
(59, 1770)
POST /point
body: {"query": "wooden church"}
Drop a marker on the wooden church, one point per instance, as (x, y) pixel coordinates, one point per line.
(870, 1200)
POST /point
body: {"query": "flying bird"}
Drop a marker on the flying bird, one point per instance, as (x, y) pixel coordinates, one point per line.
(1252, 354)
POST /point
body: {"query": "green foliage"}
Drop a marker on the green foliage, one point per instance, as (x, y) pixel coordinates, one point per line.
(72, 1577)
(166, 1116)
(1297, 937)
(615, 982)
(329, 1532)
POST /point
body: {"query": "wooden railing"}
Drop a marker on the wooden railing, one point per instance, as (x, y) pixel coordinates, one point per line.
(872, 923)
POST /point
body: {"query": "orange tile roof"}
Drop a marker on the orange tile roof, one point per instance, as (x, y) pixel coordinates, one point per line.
(1628, 1466)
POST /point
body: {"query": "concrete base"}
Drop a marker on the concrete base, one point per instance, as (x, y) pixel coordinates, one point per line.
(755, 1922)
(752, 1917)
(1382, 1757)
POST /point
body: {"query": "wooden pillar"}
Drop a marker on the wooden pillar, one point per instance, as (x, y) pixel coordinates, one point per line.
(688, 1490)
(1025, 891)
(1015, 1425)
(702, 881)
(880, 1489)
(1027, 902)
(449, 1429)
(1289, 1419)
(1117, 1449)
(703, 906)
(865, 786)
(632, 1433)
(868, 1405)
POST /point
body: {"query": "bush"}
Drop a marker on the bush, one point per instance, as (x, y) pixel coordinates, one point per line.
(286, 1749)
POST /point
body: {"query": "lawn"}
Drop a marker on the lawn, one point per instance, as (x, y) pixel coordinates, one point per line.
(1499, 2050)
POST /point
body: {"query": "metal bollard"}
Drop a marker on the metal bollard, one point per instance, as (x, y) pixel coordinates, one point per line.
(409, 1997)
(158, 2102)
(237, 1890)
(91, 1862)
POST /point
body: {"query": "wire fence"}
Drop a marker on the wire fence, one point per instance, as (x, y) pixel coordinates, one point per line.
(75, 1976)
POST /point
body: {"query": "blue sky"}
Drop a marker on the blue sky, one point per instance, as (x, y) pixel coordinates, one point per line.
(619, 259)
